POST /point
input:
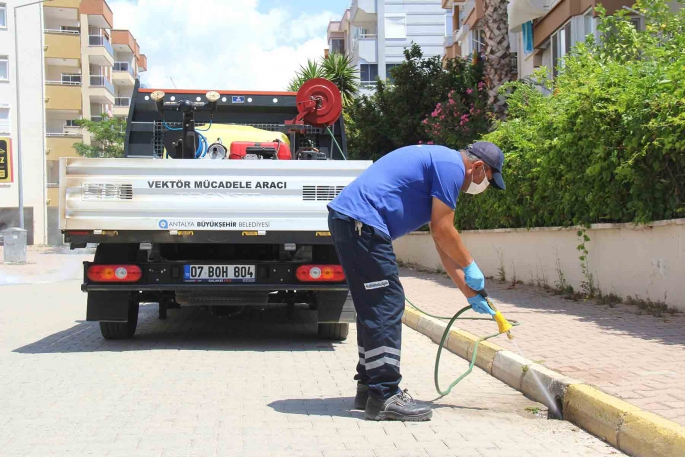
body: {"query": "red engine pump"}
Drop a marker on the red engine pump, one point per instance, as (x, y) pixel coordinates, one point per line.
(260, 151)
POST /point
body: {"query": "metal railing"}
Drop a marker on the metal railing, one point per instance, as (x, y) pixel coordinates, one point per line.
(62, 32)
(63, 133)
(124, 66)
(100, 40)
(63, 83)
(101, 81)
(122, 101)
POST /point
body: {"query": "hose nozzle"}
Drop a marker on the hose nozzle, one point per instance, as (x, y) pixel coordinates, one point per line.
(503, 324)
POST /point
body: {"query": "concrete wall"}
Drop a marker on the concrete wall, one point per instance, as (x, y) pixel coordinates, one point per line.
(30, 31)
(643, 261)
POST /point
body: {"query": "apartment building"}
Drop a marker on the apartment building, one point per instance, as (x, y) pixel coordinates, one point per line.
(467, 33)
(30, 106)
(376, 32)
(90, 71)
(542, 32)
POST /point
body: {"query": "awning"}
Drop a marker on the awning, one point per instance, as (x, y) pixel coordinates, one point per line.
(522, 11)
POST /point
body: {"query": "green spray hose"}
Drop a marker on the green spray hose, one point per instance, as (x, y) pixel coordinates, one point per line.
(444, 338)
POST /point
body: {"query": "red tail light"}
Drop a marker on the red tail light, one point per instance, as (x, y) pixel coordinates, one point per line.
(114, 273)
(320, 273)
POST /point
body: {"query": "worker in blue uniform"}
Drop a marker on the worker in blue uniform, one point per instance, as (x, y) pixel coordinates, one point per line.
(399, 193)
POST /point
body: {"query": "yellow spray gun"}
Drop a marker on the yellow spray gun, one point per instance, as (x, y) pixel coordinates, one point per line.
(503, 324)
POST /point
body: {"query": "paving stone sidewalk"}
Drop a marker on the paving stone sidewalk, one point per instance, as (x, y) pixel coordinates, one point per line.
(197, 385)
(639, 358)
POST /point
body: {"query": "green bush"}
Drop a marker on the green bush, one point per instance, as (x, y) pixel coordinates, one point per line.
(608, 145)
(393, 116)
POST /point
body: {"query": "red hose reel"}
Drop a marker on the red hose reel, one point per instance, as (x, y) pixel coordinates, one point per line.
(319, 104)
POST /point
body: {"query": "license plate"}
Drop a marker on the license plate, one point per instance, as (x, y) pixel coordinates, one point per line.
(219, 273)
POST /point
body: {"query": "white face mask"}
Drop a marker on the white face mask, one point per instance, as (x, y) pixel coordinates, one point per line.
(475, 189)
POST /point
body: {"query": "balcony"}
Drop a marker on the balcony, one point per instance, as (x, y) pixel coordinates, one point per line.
(64, 4)
(363, 11)
(99, 13)
(62, 48)
(101, 90)
(61, 145)
(365, 47)
(142, 63)
(123, 41)
(476, 13)
(63, 96)
(121, 106)
(123, 74)
(100, 51)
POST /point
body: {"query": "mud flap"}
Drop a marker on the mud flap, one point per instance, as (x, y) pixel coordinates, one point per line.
(107, 306)
(335, 307)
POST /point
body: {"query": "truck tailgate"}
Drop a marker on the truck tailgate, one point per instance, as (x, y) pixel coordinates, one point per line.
(200, 195)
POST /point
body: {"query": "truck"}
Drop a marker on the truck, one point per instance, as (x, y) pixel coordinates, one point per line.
(219, 202)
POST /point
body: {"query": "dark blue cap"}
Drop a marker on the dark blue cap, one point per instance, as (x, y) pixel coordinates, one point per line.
(493, 157)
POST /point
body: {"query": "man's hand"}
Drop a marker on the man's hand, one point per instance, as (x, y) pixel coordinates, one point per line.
(474, 277)
(480, 305)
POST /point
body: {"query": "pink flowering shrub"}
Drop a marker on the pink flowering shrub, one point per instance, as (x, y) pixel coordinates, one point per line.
(461, 119)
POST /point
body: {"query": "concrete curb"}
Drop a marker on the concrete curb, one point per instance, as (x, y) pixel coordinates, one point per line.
(626, 427)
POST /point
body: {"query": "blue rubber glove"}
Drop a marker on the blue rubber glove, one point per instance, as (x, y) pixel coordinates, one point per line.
(480, 305)
(474, 277)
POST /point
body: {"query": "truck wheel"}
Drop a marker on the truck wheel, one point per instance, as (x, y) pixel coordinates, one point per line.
(122, 330)
(337, 332)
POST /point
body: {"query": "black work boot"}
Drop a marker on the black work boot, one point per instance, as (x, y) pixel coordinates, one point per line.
(400, 406)
(362, 396)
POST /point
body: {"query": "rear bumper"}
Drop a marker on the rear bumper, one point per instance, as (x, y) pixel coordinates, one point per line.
(140, 287)
(168, 276)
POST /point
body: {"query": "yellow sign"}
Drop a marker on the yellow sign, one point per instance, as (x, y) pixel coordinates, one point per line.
(6, 161)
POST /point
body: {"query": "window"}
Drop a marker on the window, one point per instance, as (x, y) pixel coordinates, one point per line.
(388, 73)
(638, 23)
(5, 120)
(4, 68)
(368, 72)
(52, 173)
(71, 79)
(70, 28)
(3, 16)
(337, 46)
(588, 26)
(396, 26)
(477, 41)
(70, 123)
(561, 45)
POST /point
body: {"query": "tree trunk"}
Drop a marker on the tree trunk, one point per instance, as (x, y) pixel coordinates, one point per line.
(498, 68)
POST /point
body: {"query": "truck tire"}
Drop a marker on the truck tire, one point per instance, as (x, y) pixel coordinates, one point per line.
(336, 332)
(122, 330)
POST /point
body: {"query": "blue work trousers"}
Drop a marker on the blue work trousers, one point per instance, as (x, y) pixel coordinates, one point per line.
(370, 266)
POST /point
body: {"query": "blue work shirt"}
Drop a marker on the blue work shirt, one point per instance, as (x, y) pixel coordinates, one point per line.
(395, 194)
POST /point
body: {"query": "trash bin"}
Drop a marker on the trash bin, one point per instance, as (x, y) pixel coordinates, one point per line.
(15, 245)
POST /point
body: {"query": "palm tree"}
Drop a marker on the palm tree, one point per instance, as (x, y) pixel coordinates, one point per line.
(337, 68)
(498, 68)
(310, 71)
